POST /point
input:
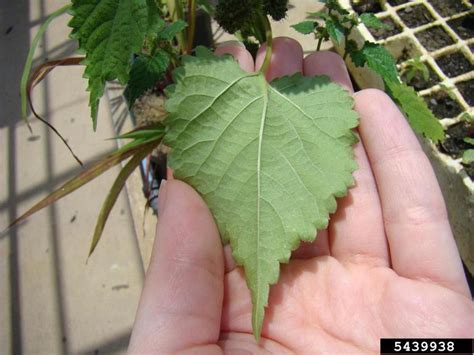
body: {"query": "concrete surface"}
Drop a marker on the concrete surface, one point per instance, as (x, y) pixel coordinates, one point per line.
(51, 301)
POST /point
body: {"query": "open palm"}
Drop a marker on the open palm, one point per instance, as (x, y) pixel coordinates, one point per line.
(387, 266)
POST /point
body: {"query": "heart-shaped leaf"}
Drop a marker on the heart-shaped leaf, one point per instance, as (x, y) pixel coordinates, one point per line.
(268, 160)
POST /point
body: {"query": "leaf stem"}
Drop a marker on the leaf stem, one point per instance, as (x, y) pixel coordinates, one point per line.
(269, 41)
(29, 61)
(318, 48)
(346, 38)
(192, 24)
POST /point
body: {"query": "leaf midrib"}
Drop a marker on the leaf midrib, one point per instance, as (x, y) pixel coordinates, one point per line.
(264, 86)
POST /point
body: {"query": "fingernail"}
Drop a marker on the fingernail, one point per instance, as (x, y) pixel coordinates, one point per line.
(162, 196)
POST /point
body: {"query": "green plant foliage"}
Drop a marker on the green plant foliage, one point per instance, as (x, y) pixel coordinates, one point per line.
(244, 15)
(370, 20)
(469, 140)
(145, 73)
(305, 27)
(207, 6)
(335, 30)
(168, 32)
(418, 114)
(468, 156)
(414, 66)
(323, 15)
(468, 117)
(378, 59)
(333, 5)
(268, 160)
(109, 32)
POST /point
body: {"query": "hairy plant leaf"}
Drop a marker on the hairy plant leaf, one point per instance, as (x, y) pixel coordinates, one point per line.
(168, 32)
(418, 114)
(371, 21)
(155, 20)
(304, 27)
(268, 159)
(380, 61)
(146, 71)
(335, 30)
(109, 32)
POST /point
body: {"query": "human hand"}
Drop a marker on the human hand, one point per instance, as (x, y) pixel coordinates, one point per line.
(387, 266)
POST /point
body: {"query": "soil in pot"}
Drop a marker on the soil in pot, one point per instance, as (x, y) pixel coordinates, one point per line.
(397, 2)
(415, 16)
(454, 144)
(361, 6)
(381, 33)
(442, 105)
(419, 83)
(466, 88)
(434, 38)
(454, 64)
(463, 26)
(407, 52)
(448, 8)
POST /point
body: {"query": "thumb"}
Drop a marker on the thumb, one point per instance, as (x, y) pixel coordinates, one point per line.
(181, 303)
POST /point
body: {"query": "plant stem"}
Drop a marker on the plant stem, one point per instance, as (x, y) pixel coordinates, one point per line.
(319, 43)
(179, 15)
(191, 24)
(29, 61)
(269, 40)
(346, 38)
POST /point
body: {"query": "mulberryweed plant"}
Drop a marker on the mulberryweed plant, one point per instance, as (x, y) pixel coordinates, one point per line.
(269, 159)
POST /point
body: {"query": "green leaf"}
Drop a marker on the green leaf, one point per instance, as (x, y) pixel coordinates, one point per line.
(468, 156)
(334, 5)
(172, 30)
(145, 72)
(155, 20)
(207, 6)
(268, 160)
(305, 27)
(109, 32)
(418, 114)
(469, 140)
(335, 30)
(380, 61)
(468, 117)
(357, 56)
(371, 21)
(323, 15)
